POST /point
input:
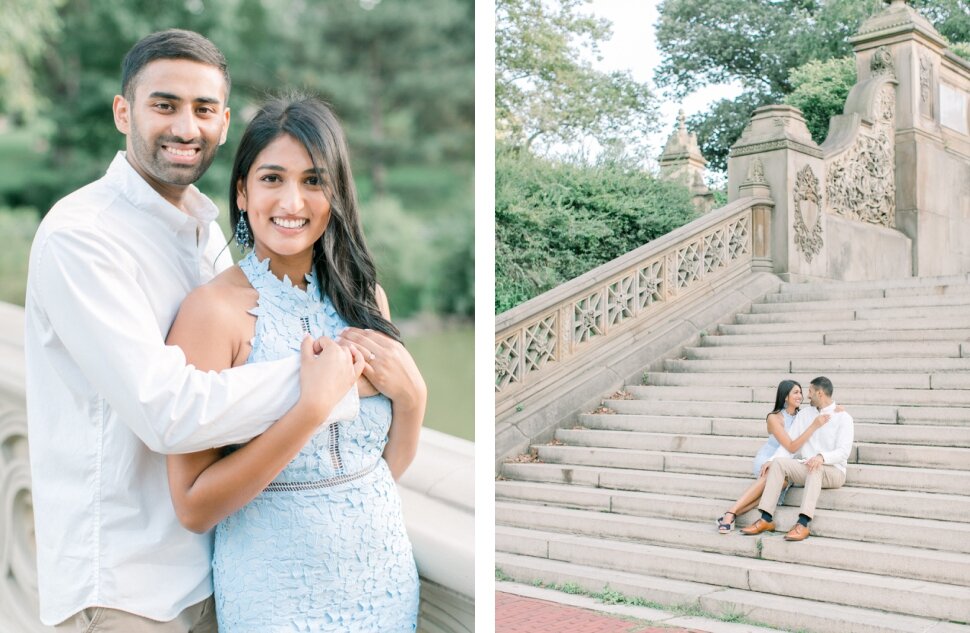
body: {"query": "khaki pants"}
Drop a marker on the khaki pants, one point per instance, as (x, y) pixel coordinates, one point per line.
(827, 476)
(199, 618)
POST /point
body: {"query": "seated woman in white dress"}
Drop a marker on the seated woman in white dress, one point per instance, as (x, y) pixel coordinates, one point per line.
(787, 400)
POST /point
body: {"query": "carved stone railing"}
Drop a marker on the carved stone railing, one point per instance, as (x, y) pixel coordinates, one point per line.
(554, 332)
(437, 495)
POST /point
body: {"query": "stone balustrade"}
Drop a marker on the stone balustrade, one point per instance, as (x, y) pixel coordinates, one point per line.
(437, 494)
(551, 335)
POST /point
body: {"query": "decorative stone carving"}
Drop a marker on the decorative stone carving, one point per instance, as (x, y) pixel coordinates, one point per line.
(925, 68)
(756, 173)
(861, 183)
(807, 202)
(588, 318)
(507, 362)
(882, 62)
(540, 343)
(650, 284)
(620, 298)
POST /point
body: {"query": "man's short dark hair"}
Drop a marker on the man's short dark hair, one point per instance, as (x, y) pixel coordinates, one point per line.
(824, 384)
(170, 44)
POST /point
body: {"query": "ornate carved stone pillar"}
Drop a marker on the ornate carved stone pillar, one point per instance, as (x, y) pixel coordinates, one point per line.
(776, 154)
(682, 161)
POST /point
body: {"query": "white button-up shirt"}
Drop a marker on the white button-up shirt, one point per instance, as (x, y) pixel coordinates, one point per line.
(109, 266)
(833, 441)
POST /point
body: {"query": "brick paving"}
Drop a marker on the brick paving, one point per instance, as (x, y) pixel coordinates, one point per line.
(516, 614)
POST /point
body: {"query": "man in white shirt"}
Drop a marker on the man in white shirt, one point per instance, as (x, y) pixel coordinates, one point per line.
(109, 267)
(819, 463)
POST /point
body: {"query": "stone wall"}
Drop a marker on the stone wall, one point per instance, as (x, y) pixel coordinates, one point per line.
(888, 192)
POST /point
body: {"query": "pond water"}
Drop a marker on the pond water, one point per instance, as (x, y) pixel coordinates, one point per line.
(446, 358)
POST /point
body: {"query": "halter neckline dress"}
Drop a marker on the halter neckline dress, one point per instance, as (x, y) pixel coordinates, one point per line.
(323, 547)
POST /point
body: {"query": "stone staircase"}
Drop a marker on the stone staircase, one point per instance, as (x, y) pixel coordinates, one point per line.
(628, 498)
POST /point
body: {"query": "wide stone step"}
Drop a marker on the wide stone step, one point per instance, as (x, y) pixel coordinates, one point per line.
(770, 380)
(802, 316)
(945, 536)
(732, 409)
(868, 351)
(958, 322)
(786, 295)
(887, 285)
(780, 611)
(849, 498)
(861, 303)
(899, 595)
(871, 558)
(930, 469)
(924, 415)
(820, 366)
(847, 396)
(951, 436)
(832, 337)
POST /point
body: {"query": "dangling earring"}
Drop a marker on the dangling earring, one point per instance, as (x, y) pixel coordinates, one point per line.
(244, 238)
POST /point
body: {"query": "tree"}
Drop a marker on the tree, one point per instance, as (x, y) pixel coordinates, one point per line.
(547, 91)
(758, 43)
(819, 90)
(25, 26)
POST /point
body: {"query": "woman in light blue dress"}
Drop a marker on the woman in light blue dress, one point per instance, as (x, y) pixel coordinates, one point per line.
(310, 534)
(787, 400)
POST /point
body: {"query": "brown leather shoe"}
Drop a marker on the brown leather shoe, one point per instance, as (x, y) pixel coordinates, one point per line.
(758, 527)
(798, 533)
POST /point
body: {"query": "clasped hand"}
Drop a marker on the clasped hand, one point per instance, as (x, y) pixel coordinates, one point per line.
(327, 372)
(387, 366)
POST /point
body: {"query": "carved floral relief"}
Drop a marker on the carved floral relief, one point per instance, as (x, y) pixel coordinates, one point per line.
(808, 217)
(861, 183)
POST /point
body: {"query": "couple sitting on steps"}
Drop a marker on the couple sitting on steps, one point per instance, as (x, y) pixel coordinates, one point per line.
(816, 458)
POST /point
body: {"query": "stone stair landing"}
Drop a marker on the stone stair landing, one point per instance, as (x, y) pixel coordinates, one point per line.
(628, 497)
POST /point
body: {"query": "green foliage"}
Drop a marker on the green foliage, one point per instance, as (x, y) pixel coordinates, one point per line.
(819, 91)
(962, 49)
(720, 127)
(25, 25)
(400, 75)
(547, 91)
(555, 221)
(758, 44)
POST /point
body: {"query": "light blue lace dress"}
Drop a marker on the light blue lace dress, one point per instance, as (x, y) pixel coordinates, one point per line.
(771, 445)
(323, 547)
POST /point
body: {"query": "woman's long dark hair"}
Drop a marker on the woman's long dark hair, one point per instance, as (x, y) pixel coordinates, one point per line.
(784, 388)
(344, 265)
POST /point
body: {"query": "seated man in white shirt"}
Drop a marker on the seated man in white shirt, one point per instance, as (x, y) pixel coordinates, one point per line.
(819, 463)
(109, 267)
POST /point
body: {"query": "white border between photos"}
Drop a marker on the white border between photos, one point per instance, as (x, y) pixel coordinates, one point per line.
(484, 315)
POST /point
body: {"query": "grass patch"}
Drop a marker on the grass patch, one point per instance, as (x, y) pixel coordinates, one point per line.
(501, 576)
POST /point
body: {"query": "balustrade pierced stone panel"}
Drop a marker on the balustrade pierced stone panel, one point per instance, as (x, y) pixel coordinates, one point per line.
(557, 335)
(541, 343)
(588, 318)
(688, 264)
(739, 238)
(650, 284)
(620, 300)
(714, 252)
(507, 362)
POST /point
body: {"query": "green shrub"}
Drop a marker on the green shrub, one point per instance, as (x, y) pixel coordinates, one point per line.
(555, 221)
(820, 90)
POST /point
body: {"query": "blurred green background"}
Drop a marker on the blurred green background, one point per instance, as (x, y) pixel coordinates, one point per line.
(399, 74)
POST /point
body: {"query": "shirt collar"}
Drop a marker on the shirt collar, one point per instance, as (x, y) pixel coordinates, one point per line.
(829, 409)
(144, 198)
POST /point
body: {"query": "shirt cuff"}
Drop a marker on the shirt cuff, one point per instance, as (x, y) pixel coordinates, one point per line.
(347, 409)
